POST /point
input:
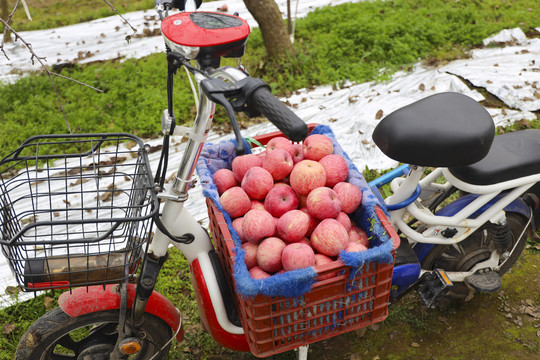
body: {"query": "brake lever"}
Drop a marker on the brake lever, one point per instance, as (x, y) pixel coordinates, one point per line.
(219, 91)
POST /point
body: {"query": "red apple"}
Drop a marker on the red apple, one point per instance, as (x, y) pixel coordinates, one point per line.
(345, 220)
(297, 256)
(312, 222)
(257, 182)
(336, 169)
(235, 201)
(237, 225)
(306, 176)
(269, 254)
(258, 224)
(224, 180)
(358, 235)
(330, 237)
(280, 199)
(355, 247)
(258, 273)
(293, 225)
(279, 163)
(255, 204)
(317, 146)
(250, 256)
(323, 203)
(350, 196)
(321, 259)
(298, 153)
(280, 142)
(241, 164)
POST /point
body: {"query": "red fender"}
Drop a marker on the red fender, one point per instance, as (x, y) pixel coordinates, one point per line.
(81, 301)
(237, 342)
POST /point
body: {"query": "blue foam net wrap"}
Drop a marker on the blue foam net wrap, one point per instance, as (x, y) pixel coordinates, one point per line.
(298, 282)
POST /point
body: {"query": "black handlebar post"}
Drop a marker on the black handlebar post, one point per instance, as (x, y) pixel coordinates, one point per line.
(279, 114)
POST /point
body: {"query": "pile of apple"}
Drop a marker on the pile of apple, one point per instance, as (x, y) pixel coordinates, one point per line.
(291, 205)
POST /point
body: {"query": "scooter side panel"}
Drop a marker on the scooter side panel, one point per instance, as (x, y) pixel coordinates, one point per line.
(517, 206)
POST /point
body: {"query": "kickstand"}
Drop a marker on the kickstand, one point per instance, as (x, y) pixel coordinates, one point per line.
(302, 352)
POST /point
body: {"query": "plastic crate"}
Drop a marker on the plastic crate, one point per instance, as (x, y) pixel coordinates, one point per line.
(352, 299)
(334, 306)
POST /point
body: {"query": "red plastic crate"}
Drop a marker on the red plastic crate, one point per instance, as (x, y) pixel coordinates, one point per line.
(345, 302)
(333, 306)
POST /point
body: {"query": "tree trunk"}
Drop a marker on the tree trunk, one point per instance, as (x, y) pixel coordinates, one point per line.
(5, 14)
(274, 32)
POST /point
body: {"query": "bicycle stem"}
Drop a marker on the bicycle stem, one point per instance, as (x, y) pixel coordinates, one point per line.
(199, 132)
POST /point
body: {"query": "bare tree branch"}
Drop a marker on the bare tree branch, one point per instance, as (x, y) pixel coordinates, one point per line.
(46, 69)
(116, 11)
(75, 81)
(5, 35)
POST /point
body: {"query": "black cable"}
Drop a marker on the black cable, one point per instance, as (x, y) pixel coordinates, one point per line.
(183, 239)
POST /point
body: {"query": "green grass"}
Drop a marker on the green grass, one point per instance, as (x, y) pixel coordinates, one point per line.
(16, 319)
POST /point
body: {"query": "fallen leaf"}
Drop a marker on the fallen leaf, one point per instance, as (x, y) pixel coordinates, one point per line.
(13, 290)
(48, 302)
(361, 332)
(8, 328)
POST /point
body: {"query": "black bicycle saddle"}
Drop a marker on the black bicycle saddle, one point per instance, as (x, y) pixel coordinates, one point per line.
(443, 130)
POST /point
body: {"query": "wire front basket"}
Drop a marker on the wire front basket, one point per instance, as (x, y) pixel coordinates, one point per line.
(75, 210)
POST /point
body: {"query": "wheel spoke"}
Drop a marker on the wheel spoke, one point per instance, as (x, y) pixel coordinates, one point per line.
(61, 357)
(67, 342)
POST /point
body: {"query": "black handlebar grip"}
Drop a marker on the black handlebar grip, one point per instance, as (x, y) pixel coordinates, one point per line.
(279, 114)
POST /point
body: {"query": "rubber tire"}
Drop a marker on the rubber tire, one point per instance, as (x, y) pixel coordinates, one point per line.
(460, 291)
(36, 342)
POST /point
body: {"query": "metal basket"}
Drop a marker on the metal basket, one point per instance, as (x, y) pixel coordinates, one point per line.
(75, 210)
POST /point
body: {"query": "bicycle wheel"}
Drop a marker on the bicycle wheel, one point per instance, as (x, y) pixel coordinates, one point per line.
(92, 336)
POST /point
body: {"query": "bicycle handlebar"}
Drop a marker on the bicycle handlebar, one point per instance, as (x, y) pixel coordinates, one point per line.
(252, 96)
(279, 114)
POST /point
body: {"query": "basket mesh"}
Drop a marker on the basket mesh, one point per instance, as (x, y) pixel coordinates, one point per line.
(75, 209)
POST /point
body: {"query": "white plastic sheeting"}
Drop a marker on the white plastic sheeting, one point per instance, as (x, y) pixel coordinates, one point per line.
(353, 110)
(512, 73)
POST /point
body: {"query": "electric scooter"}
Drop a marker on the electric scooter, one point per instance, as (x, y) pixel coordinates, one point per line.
(461, 225)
